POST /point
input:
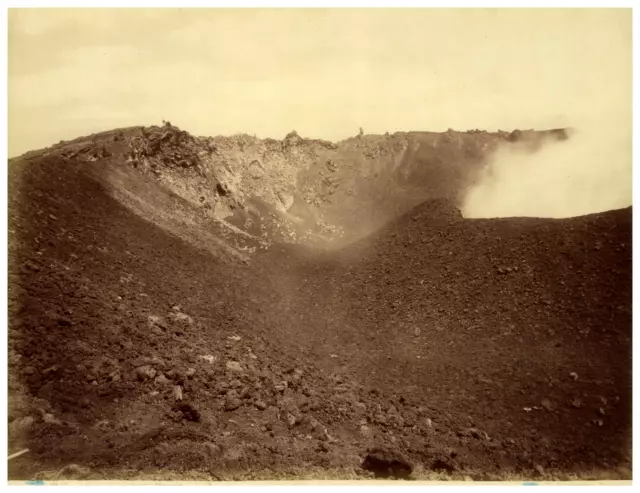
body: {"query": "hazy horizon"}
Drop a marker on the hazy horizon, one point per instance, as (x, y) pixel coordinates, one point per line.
(322, 72)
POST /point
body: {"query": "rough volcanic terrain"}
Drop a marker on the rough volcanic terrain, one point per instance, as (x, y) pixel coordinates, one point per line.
(234, 308)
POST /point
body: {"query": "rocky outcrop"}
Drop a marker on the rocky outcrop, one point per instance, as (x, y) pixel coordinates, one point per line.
(301, 190)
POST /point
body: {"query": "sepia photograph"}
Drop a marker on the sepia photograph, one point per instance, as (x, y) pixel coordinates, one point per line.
(371, 245)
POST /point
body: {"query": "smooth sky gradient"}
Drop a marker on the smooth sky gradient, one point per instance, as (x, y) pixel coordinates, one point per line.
(324, 73)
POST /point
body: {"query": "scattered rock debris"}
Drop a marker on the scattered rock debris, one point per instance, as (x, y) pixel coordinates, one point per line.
(126, 263)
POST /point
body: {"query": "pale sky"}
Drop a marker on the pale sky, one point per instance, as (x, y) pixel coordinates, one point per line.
(324, 73)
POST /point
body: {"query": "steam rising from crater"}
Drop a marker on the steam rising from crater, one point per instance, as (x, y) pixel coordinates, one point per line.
(588, 173)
